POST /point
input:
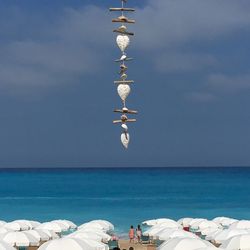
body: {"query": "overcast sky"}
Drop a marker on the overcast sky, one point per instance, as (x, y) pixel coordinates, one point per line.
(192, 88)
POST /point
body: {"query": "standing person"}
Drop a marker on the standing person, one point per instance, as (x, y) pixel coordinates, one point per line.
(138, 233)
(131, 234)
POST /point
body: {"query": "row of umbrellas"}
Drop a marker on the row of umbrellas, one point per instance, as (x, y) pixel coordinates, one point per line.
(24, 233)
(199, 233)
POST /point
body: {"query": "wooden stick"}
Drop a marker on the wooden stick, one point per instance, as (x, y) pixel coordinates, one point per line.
(121, 9)
(124, 32)
(120, 121)
(123, 20)
(124, 82)
(126, 111)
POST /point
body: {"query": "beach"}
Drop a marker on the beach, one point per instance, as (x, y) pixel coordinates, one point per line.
(124, 196)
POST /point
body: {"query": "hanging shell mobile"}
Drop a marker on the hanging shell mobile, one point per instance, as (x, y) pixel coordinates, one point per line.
(123, 85)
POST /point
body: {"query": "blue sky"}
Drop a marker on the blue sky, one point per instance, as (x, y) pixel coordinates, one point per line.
(192, 84)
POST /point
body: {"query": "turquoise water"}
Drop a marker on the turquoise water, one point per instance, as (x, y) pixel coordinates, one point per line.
(124, 196)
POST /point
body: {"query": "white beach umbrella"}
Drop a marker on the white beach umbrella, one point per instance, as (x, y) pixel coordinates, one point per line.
(104, 236)
(228, 233)
(160, 221)
(211, 236)
(184, 221)
(89, 235)
(6, 246)
(38, 234)
(153, 231)
(2, 222)
(199, 225)
(67, 223)
(184, 243)
(241, 242)
(242, 224)
(228, 222)
(167, 234)
(219, 219)
(209, 248)
(52, 235)
(149, 222)
(20, 239)
(16, 226)
(73, 244)
(210, 230)
(100, 224)
(4, 230)
(53, 226)
(195, 220)
(30, 223)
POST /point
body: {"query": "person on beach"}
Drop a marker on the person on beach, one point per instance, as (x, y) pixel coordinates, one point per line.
(138, 233)
(131, 234)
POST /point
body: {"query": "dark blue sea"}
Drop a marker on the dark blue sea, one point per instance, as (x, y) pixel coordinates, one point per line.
(124, 196)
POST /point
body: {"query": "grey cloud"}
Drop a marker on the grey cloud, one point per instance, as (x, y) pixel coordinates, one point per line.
(166, 24)
(177, 62)
(200, 96)
(231, 83)
(61, 53)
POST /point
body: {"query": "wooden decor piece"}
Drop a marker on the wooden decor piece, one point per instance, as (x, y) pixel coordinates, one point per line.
(123, 87)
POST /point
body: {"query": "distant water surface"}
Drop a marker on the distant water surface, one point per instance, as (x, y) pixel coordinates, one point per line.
(124, 196)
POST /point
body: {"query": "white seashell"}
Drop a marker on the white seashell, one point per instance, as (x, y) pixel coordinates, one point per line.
(124, 76)
(125, 127)
(125, 139)
(123, 91)
(122, 42)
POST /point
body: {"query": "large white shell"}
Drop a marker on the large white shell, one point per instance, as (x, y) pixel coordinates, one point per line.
(122, 42)
(125, 127)
(123, 91)
(125, 139)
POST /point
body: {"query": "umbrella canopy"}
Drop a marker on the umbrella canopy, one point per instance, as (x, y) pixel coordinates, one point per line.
(193, 221)
(99, 236)
(85, 235)
(153, 231)
(167, 234)
(228, 222)
(210, 230)
(30, 223)
(212, 235)
(20, 239)
(4, 230)
(67, 223)
(56, 227)
(219, 219)
(2, 223)
(209, 248)
(6, 246)
(184, 221)
(16, 226)
(184, 243)
(73, 244)
(228, 233)
(38, 234)
(101, 224)
(242, 224)
(241, 242)
(52, 235)
(199, 225)
(159, 221)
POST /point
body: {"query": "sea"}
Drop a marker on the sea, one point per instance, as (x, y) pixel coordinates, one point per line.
(124, 196)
